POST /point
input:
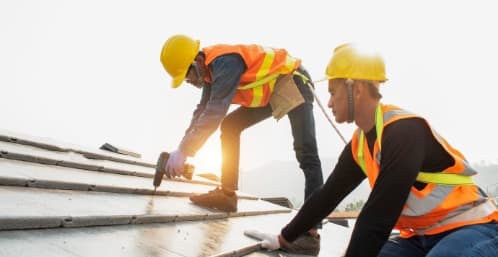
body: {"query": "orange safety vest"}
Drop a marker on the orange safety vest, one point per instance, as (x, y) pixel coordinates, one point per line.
(450, 199)
(261, 63)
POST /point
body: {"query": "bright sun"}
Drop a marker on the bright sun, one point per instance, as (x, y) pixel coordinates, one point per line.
(207, 160)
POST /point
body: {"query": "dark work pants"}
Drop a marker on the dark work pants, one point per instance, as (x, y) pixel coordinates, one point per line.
(303, 132)
(479, 240)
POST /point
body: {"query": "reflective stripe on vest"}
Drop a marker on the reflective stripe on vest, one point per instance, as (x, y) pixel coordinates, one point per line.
(426, 177)
(263, 67)
(470, 214)
(446, 195)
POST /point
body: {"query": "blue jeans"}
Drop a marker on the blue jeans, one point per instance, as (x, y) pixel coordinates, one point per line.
(303, 131)
(480, 240)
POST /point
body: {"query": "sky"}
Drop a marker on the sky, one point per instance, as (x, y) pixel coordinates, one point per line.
(88, 72)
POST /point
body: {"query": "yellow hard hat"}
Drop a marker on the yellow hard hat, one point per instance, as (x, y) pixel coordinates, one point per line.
(178, 53)
(348, 63)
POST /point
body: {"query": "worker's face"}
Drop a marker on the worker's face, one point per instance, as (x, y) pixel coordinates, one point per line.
(194, 76)
(338, 101)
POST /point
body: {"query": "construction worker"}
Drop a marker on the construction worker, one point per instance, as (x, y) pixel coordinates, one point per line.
(265, 82)
(421, 185)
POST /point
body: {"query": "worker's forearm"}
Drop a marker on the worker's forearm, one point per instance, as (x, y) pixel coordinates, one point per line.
(216, 99)
(205, 125)
(345, 177)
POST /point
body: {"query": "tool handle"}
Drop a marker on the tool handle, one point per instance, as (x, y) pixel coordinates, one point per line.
(160, 168)
(188, 169)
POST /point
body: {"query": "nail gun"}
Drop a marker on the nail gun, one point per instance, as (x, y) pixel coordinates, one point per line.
(188, 170)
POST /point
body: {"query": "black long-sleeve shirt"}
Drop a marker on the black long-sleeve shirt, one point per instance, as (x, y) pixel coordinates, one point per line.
(407, 148)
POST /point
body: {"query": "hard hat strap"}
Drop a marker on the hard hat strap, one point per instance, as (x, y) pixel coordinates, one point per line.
(310, 85)
(197, 70)
(349, 84)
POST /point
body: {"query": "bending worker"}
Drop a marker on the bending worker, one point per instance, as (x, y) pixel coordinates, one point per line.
(421, 185)
(265, 82)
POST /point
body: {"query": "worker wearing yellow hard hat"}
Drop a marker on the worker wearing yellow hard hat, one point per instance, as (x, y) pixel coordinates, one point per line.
(263, 82)
(421, 185)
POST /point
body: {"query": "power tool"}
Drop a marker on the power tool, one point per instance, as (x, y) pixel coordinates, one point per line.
(188, 170)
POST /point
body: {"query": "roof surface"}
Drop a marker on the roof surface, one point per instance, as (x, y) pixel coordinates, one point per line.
(64, 200)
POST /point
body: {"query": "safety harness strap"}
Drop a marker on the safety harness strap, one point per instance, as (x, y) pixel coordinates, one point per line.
(270, 78)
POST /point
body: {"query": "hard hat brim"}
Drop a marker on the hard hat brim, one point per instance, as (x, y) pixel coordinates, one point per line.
(178, 80)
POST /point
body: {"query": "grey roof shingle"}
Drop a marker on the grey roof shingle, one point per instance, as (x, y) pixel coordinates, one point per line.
(62, 200)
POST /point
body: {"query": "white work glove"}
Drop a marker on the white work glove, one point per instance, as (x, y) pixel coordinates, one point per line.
(268, 241)
(176, 163)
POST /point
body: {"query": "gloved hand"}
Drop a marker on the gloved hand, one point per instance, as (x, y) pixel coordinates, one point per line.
(176, 163)
(268, 241)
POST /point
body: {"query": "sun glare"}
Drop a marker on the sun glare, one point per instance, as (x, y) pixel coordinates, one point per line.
(207, 161)
(369, 48)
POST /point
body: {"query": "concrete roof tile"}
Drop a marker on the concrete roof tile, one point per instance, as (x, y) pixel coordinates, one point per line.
(56, 201)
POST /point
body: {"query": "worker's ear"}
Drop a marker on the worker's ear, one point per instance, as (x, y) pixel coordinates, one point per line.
(363, 88)
(199, 59)
(357, 89)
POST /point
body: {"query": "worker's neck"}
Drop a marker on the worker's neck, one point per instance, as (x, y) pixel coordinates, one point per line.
(366, 115)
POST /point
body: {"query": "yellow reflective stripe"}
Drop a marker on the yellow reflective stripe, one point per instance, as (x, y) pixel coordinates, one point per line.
(259, 82)
(289, 61)
(289, 64)
(426, 177)
(267, 63)
(379, 124)
(257, 85)
(361, 158)
(269, 78)
(257, 95)
(444, 178)
(272, 84)
(263, 70)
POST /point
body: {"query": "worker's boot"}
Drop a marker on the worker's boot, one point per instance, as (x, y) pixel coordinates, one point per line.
(306, 244)
(217, 199)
